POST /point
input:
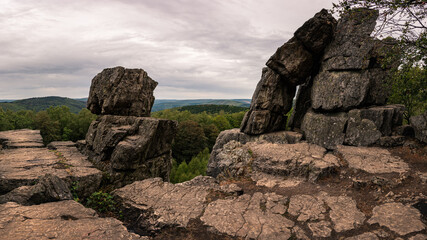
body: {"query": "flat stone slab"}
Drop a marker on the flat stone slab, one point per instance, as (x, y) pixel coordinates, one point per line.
(252, 217)
(58, 220)
(163, 203)
(398, 218)
(23, 166)
(23, 138)
(372, 160)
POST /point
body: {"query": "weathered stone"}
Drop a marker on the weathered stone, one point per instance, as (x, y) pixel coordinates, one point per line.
(344, 213)
(419, 123)
(270, 181)
(404, 130)
(56, 144)
(398, 218)
(419, 237)
(326, 130)
(372, 160)
(317, 32)
(292, 61)
(131, 148)
(360, 131)
(120, 91)
(364, 236)
(339, 91)
(49, 188)
(300, 233)
(320, 229)
(23, 166)
(162, 204)
(58, 220)
(301, 160)
(272, 98)
(352, 42)
(253, 217)
(235, 135)
(23, 138)
(307, 208)
(391, 141)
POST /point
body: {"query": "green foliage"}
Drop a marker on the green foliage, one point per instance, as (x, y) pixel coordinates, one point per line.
(409, 87)
(74, 189)
(43, 103)
(197, 166)
(189, 140)
(55, 123)
(212, 109)
(198, 131)
(101, 202)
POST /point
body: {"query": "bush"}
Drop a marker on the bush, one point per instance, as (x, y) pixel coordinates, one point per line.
(101, 202)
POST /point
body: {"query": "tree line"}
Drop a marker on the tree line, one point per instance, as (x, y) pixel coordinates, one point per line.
(55, 123)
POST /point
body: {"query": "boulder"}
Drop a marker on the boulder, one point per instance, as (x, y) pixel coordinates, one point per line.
(227, 136)
(48, 188)
(120, 91)
(272, 98)
(419, 123)
(131, 148)
(326, 130)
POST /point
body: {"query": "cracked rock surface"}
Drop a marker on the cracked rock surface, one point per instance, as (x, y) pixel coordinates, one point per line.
(58, 220)
(23, 166)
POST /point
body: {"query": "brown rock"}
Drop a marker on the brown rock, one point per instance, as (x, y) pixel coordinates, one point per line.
(120, 91)
(58, 220)
(23, 138)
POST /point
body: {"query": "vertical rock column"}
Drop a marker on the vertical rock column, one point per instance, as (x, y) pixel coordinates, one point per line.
(124, 141)
(291, 65)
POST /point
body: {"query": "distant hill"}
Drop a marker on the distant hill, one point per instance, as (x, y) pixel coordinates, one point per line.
(212, 109)
(75, 105)
(162, 104)
(43, 103)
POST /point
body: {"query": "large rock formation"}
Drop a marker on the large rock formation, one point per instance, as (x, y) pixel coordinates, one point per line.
(123, 142)
(419, 123)
(120, 91)
(291, 65)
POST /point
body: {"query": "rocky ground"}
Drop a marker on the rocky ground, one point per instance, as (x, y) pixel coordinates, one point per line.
(283, 191)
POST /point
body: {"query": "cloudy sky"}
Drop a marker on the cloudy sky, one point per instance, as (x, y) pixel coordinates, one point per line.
(193, 48)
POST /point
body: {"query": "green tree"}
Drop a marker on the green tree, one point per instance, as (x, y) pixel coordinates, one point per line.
(211, 133)
(197, 166)
(189, 140)
(5, 124)
(49, 129)
(409, 87)
(221, 122)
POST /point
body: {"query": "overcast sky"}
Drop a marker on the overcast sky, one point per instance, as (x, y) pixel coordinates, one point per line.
(193, 48)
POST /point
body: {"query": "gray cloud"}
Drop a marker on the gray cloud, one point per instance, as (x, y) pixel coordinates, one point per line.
(193, 48)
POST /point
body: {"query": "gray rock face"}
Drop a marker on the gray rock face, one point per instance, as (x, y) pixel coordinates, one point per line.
(272, 98)
(398, 218)
(291, 65)
(23, 167)
(49, 188)
(326, 130)
(120, 91)
(58, 220)
(419, 123)
(131, 148)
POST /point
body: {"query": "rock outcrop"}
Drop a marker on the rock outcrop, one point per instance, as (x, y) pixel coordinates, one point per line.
(24, 165)
(120, 91)
(58, 220)
(291, 65)
(419, 123)
(124, 141)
